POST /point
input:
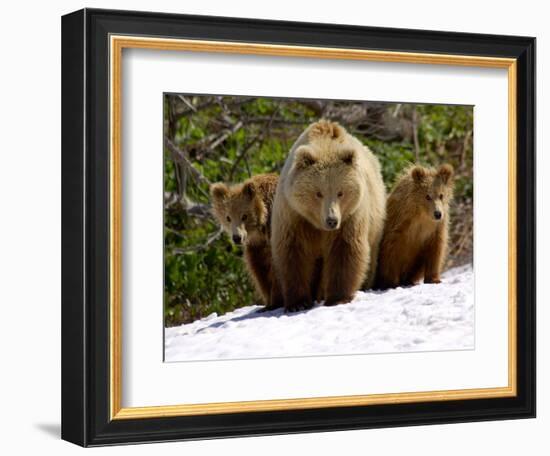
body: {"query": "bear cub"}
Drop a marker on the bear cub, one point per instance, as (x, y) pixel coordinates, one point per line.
(414, 244)
(244, 212)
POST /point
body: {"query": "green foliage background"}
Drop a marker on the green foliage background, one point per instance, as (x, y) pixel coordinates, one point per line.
(220, 138)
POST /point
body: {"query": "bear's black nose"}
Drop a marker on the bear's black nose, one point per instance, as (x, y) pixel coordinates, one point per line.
(237, 239)
(437, 215)
(332, 222)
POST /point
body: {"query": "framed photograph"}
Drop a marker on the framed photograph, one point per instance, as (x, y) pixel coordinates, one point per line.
(276, 227)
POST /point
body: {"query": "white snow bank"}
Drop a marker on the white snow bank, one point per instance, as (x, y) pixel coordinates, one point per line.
(425, 317)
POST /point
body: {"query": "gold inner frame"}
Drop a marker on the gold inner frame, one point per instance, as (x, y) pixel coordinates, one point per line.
(117, 44)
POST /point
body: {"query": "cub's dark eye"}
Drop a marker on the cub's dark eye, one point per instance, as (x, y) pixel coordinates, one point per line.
(428, 197)
(319, 195)
(228, 218)
(244, 217)
(340, 194)
(441, 196)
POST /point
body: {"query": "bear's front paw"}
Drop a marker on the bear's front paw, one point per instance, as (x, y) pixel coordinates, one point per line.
(432, 280)
(298, 306)
(264, 309)
(275, 302)
(335, 300)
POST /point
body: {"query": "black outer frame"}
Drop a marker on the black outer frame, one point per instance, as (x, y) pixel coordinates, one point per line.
(85, 227)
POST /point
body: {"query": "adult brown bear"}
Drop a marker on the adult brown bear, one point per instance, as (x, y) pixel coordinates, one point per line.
(328, 217)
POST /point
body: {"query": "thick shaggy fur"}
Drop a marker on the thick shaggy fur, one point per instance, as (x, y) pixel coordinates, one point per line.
(244, 211)
(328, 217)
(414, 245)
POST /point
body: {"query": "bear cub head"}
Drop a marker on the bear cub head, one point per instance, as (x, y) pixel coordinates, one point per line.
(239, 209)
(433, 190)
(326, 183)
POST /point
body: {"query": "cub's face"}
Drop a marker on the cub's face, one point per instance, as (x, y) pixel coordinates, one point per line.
(238, 209)
(434, 189)
(325, 191)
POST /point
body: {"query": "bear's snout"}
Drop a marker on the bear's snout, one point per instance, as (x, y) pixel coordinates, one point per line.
(437, 215)
(237, 239)
(331, 222)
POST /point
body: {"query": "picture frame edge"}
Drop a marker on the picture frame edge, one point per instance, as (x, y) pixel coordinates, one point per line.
(86, 417)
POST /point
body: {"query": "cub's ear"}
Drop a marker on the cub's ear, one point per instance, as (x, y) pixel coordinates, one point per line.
(445, 172)
(218, 191)
(348, 157)
(418, 174)
(249, 189)
(304, 157)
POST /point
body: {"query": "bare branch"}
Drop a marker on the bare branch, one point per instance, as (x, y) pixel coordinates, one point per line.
(225, 135)
(396, 110)
(195, 248)
(187, 103)
(317, 106)
(241, 155)
(213, 102)
(172, 201)
(465, 146)
(261, 134)
(180, 156)
(415, 134)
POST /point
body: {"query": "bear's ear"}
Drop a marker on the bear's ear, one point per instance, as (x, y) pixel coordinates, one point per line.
(304, 157)
(218, 190)
(249, 189)
(348, 157)
(445, 172)
(418, 174)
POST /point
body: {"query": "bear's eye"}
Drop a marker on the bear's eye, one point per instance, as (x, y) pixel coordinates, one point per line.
(441, 196)
(319, 195)
(340, 194)
(244, 217)
(228, 219)
(428, 197)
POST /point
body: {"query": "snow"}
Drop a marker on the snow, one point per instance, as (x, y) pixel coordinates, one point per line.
(426, 317)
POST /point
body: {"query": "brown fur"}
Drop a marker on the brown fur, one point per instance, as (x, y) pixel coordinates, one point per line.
(414, 245)
(328, 217)
(253, 200)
